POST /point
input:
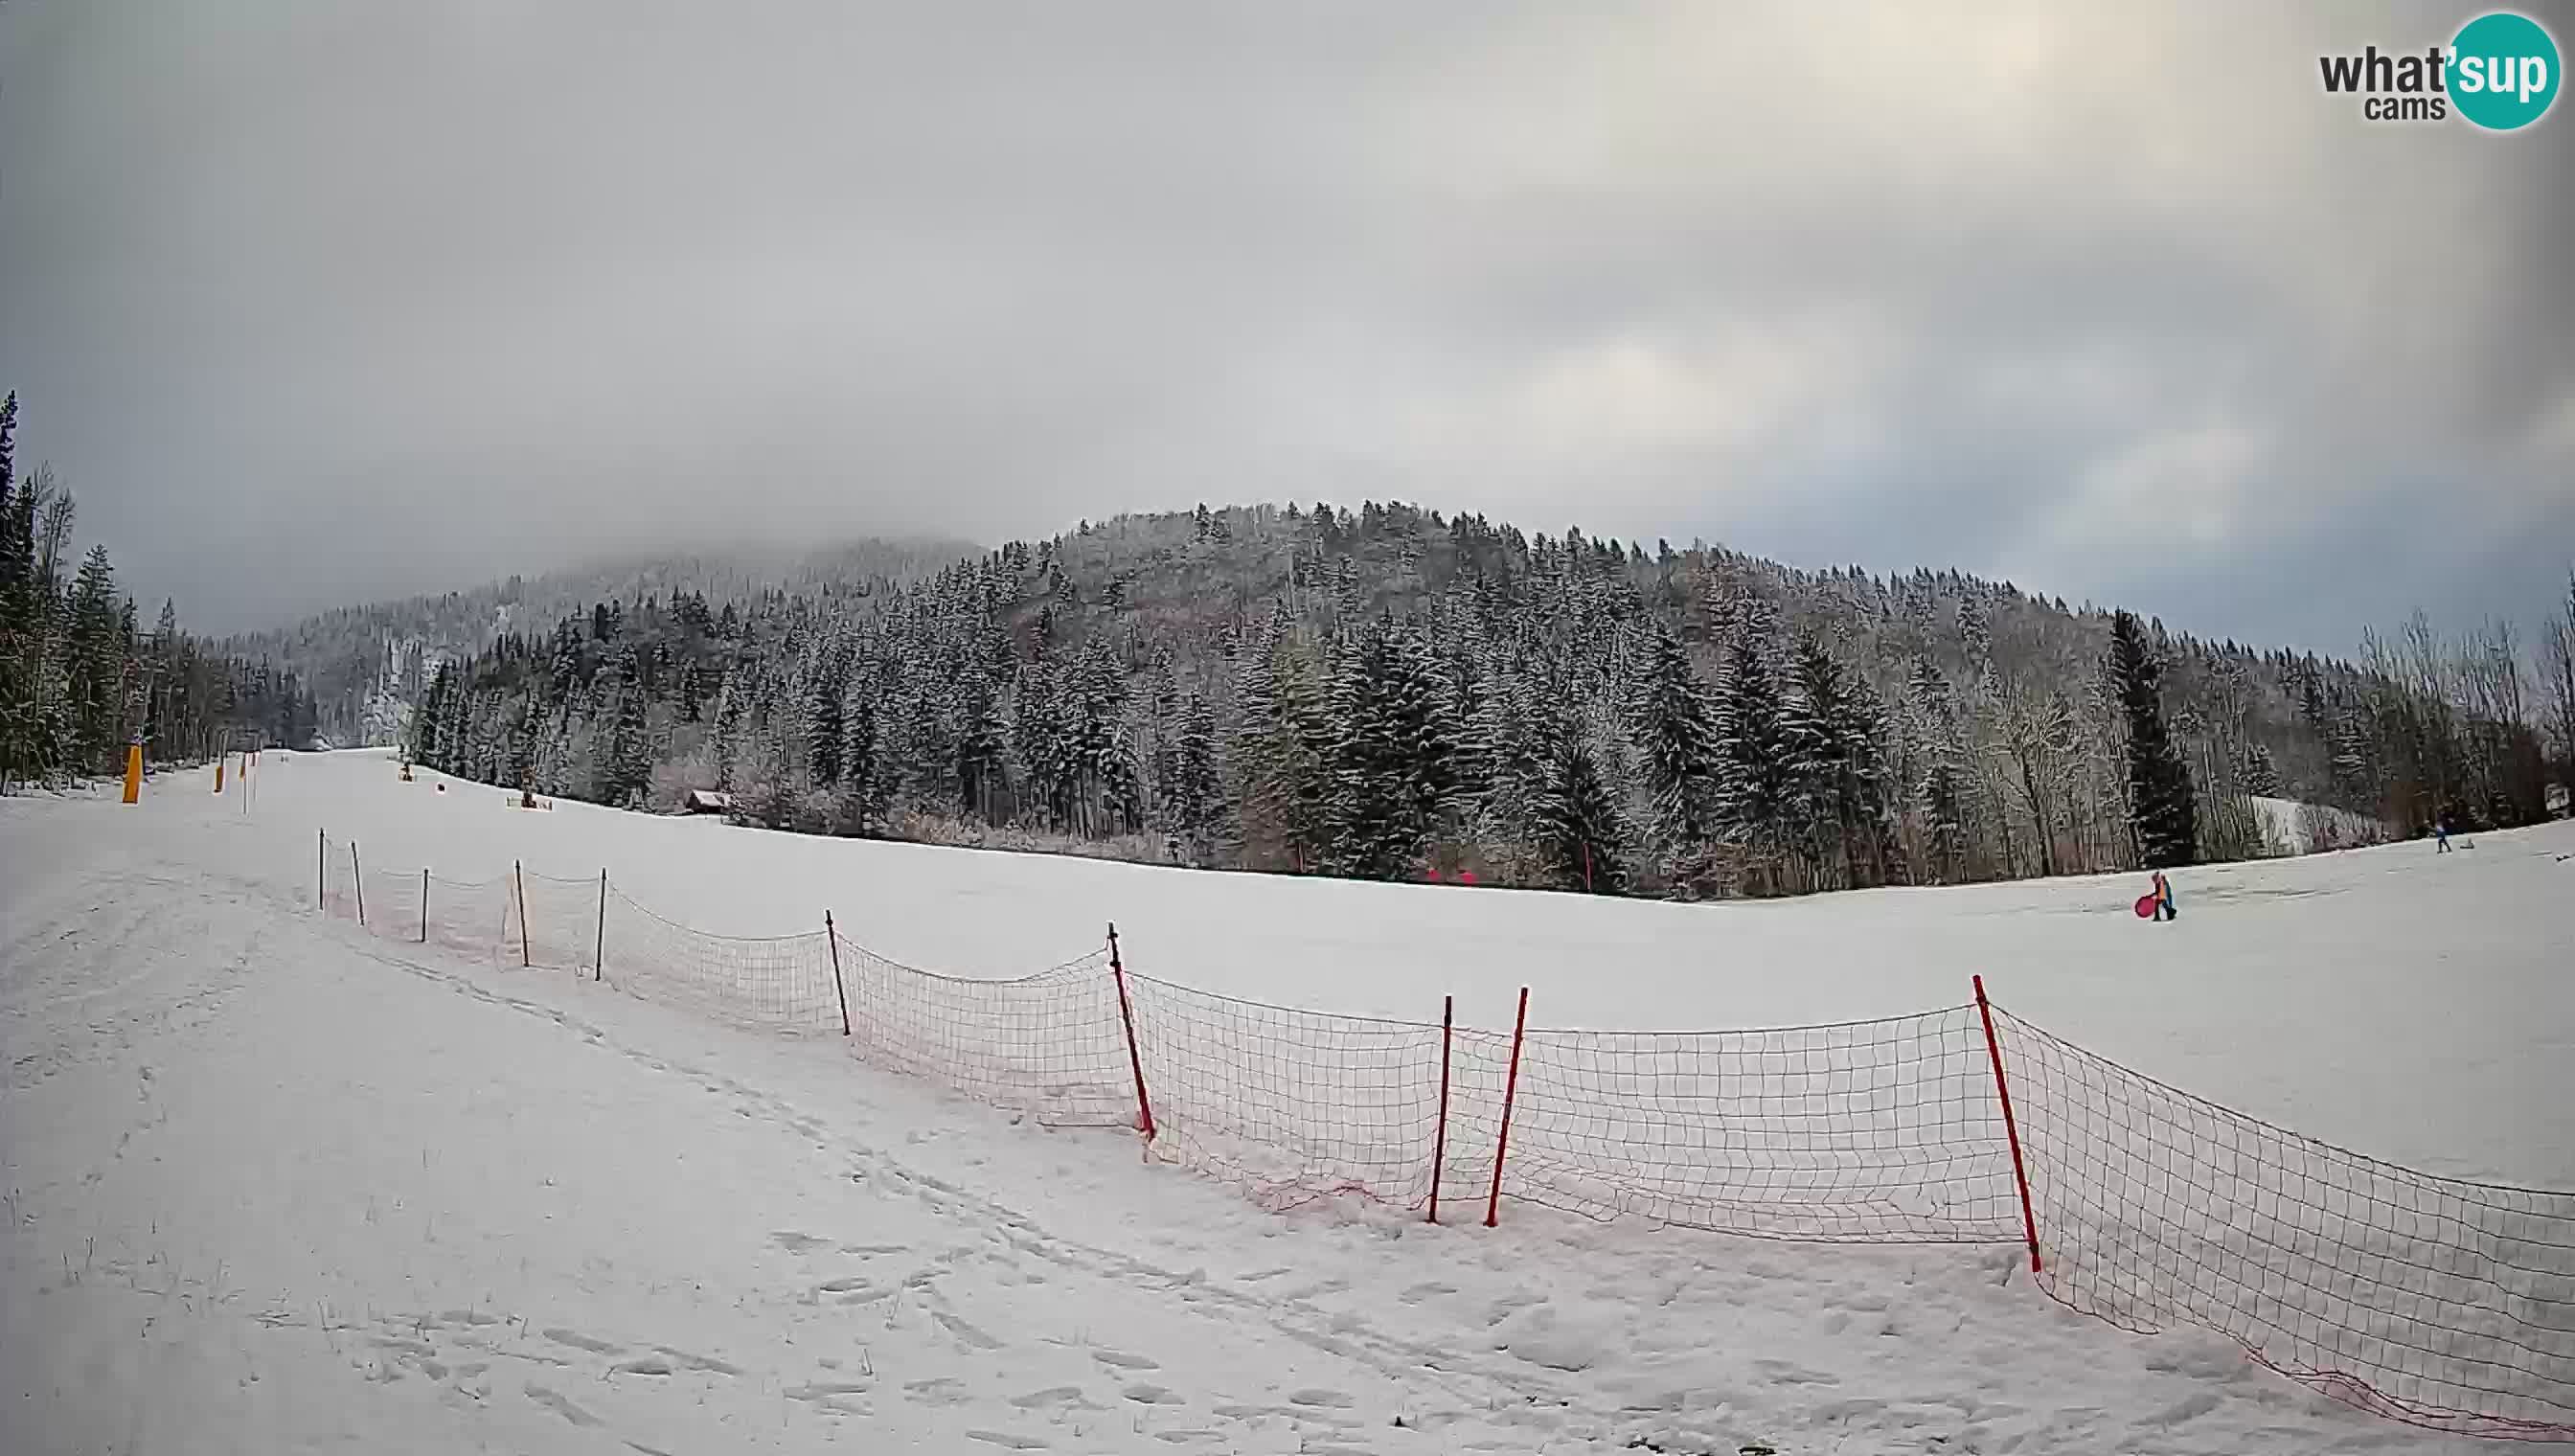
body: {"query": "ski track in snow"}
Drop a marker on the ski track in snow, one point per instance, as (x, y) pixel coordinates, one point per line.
(271, 1185)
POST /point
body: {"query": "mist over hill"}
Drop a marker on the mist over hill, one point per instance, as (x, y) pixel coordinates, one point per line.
(1389, 693)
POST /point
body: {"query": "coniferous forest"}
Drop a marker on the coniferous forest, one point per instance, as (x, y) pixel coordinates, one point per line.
(1391, 694)
(80, 679)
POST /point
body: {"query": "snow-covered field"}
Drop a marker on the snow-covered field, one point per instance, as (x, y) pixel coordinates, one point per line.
(272, 1185)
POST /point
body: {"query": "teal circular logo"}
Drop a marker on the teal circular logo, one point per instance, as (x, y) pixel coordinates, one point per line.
(2503, 71)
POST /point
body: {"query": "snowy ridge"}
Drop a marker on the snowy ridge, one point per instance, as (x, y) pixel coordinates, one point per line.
(2441, 1302)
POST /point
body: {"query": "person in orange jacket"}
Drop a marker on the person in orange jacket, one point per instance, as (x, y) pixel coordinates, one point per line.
(2164, 898)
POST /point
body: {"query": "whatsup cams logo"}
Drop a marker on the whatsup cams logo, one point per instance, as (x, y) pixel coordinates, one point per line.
(2500, 72)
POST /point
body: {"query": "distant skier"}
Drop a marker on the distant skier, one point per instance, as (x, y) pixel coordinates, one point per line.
(2164, 910)
(2441, 836)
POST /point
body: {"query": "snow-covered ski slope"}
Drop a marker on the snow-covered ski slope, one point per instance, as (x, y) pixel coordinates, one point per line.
(274, 1185)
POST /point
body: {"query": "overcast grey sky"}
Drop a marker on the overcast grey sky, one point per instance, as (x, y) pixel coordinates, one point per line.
(312, 301)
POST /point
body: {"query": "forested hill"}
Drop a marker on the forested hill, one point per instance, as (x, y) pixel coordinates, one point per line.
(366, 666)
(1387, 693)
(81, 679)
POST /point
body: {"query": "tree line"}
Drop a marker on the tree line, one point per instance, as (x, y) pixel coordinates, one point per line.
(80, 681)
(1389, 693)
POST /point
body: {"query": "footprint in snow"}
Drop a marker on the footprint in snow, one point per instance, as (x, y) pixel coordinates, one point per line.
(1005, 1438)
(1125, 1361)
(965, 1333)
(1052, 1395)
(707, 1363)
(645, 1365)
(940, 1390)
(1152, 1395)
(580, 1341)
(560, 1406)
(798, 1243)
(1333, 1399)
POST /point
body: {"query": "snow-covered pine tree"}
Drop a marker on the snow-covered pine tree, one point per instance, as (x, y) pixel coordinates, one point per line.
(628, 761)
(1574, 824)
(428, 718)
(1755, 806)
(2160, 802)
(866, 785)
(1390, 763)
(1199, 782)
(1675, 737)
(1939, 793)
(983, 743)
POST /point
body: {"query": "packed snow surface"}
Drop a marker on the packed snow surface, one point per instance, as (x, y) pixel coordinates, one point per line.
(272, 1185)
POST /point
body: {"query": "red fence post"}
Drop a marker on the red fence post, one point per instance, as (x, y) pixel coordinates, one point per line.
(358, 877)
(1440, 1141)
(833, 937)
(1511, 1091)
(599, 952)
(1134, 1058)
(2011, 1129)
(423, 905)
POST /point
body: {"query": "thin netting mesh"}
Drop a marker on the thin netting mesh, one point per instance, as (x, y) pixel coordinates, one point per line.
(778, 984)
(2444, 1304)
(1878, 1131)
(1048, 1044)
(1294, 1105)
(553, 924)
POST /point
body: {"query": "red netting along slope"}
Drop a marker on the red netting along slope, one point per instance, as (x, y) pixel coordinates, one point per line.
(2442, 1303)
(1047, 1045)
(1293, 1105)
(781, 983)
(2445, 1303)
(1882, 1131)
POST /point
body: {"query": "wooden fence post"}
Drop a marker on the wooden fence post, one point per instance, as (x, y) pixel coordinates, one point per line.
(1440, 1143)
(599, 952)
(1134, 1058)
(358, 877)
(833, 937)
(1511, 1093)
(519, 877)
(423, 905)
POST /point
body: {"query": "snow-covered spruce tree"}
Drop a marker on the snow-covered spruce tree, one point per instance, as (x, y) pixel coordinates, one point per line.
(2160, 802)
(428, 718)
(1672, 726)
(866, 787)
(1197, 781)
(1939, 790)
(1867, 798)
(1754, 803)
(1392, 764)
(982, 744)
(625, 768)
(1820, 766)
(1574, 824)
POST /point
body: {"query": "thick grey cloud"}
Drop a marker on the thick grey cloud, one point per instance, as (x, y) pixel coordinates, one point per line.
(320, 301)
